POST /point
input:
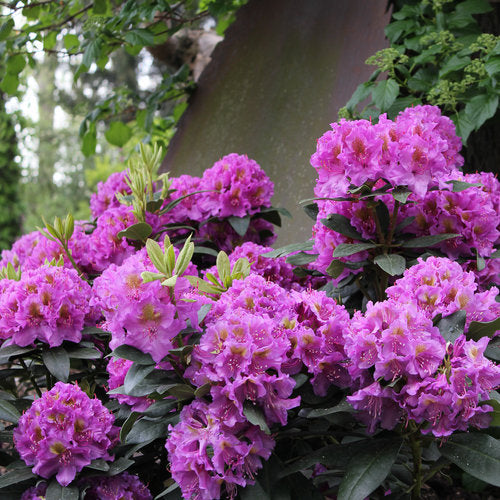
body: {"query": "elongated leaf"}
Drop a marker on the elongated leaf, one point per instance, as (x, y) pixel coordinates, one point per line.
(57, 362)
(367, 469)
(12, 350)
(343, 406)
(139, 231)
(133, 354)
(461, 185)
(385, 94)
(9, 412)
(98, 464)
(392, 264)
(160, 408)
(335, 268)
(301, 258)
(428, 241)
(312, 211)
(119, 466)
(146, 430)
(475, 453)
(168, 490)
(346, 249)
(288, 249)
(401, 194)
(486, 329)
(255, 416)
(452, 326)
(128, 424)
(57, 492)
(341, 224)
(480, 108)
(83, 353)
(16, 476)
(239, 224)
(135, 375)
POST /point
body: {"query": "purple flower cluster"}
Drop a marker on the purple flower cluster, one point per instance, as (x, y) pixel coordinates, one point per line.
(106, 193)
(209, 449)
(143, 315)
(64, 431)
(124, 486)
(35, 492)
(48, 303)
(403, 369)
(440, 286)
(416, 150)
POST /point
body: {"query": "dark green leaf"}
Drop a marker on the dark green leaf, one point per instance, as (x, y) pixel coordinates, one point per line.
(255, 416)
(312, 210)
(118, 134)
(147, 430)
(478, 330)
(428, 241)
(9, 412)
(360, 94)
(367, 469)
(57, 362)
(91, 53)
(493, 349)
(346, 249)
(401, 194)
(462, 186)
(383, 216)
(206, 251)
(161, 408)
(83, 353)
(133, 354)
(12, 350)
(475, 453)
(140, 36)
(474, 7)
(127, 425)
(57, 492)
(463, 124)
(139, 231)
(203, 390)
(480, 108)
(385, 94)
(16, 476)
(181, 391)
(203, 311)
(16, 63)
(6, 28)
(335, 268)
(98, 464)
(452, 64)
(168, 490)
(341, 224)
(343, 406)
(239, 224)
(452, 326)
(288, 249)
(492, 65)
(392, 264)
(301, 259)
(135, 375)
(119, 466)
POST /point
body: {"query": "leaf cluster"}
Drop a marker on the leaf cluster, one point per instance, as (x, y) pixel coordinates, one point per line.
(437, 55)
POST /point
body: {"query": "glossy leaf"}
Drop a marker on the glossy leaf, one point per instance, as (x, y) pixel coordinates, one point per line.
(475, 453)
(367, 469)
(478, 329)
(139, 231)
(255, 416)
(347, 249)
(341, 224)
(452, 326)
(57, 362)
(392, 264)
(239, 224)
(133, 354)
(9, 412)
(428, 241)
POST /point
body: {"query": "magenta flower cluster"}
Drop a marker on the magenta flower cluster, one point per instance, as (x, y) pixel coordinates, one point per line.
(49, 304)
(143, 315)
(124, 486)
(64, 431)
(402, 367)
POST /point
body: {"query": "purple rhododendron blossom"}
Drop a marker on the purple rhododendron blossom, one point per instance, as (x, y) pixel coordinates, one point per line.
(64, 431)
(209, 456)
(49, 303)
(124, 486)
(105, 197)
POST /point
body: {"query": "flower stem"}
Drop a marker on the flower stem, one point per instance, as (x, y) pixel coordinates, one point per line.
(32, 377)
(416, 451)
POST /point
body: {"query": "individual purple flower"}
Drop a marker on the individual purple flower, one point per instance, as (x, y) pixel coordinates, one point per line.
(49, 303)
(124, 486)
(209, 458)
(64, 431)
(106, 193)
(118, 369)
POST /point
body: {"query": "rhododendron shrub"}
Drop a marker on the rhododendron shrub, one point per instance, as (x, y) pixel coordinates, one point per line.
(164, 349)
